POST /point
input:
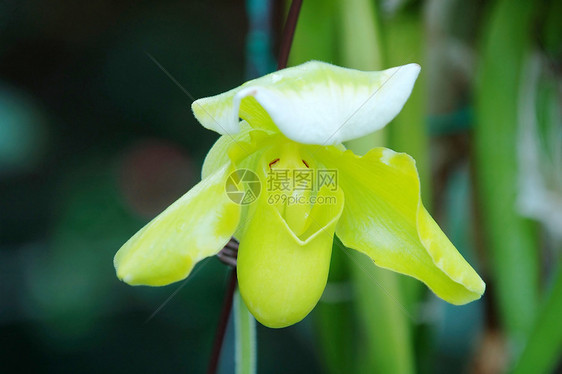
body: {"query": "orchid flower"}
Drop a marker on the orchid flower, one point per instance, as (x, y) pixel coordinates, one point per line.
(293, 120)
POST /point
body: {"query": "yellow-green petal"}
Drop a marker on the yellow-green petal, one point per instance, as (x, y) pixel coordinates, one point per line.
(282, 275)
(313, 103)
(234, 149)
(196, 226)
(217, 156)
(385, 218)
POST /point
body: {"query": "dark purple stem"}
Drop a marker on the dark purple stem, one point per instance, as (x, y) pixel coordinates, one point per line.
(228, 254)
(223, 322)
(288, 34)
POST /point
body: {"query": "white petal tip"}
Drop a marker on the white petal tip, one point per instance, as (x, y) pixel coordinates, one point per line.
(216, 114)
(412, 71)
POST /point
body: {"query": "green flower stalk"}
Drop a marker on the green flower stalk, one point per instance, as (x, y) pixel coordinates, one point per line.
(293, 120)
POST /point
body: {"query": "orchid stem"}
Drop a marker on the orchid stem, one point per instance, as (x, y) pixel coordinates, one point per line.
(223, 323)
(245, 334)
(245, 337)
(289, 33)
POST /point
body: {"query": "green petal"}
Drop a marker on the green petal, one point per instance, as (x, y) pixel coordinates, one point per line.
(313, 103)
(385, 218)
(235, 149)
(281, 275)
(196, 226)
(244, 150)
(218, 156)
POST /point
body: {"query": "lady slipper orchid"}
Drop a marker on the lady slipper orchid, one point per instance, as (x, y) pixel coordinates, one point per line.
(293, 124)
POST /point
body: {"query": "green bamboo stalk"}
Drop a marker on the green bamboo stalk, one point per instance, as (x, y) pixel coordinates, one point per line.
(544, 347)
(359, 35)
(381, 309)
(378, 293)
(334, 318)
(360, 48)
(245, 337)
(404, 43)
(315, 33)
(347, 33)
(511, 239)
(383, 318)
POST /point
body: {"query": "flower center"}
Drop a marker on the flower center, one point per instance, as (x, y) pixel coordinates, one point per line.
(290, 185)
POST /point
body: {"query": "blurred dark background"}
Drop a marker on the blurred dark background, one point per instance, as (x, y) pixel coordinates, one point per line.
(95, 140)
